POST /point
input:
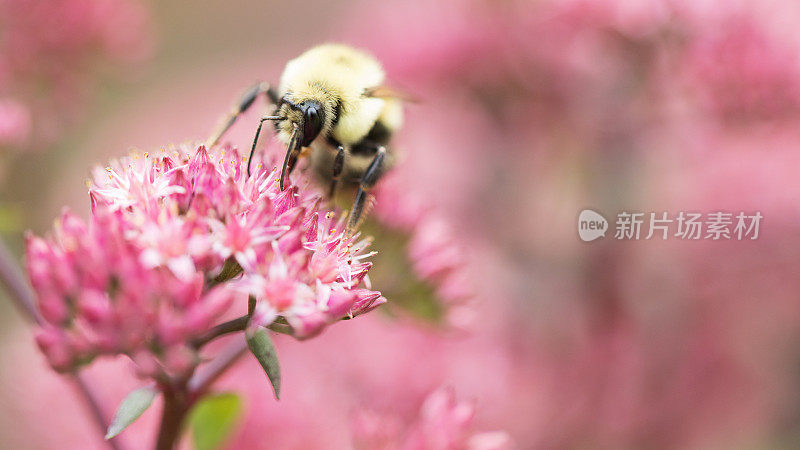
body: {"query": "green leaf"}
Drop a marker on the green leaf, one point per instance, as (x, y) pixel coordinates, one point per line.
(213, 419)
(130, 409)
(262, 348)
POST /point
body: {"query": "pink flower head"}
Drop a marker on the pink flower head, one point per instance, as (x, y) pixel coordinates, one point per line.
(174, 240)
(316, 283)
(443, 423)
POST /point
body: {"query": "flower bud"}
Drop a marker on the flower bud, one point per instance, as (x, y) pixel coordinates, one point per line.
(340, 303)
(308, 325)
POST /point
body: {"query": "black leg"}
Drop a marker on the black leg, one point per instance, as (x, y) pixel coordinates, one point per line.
(244, 102)
(288, 164)
(255, 139)
(272, 96)
(292, 153)
(338, 167)
(371, 176)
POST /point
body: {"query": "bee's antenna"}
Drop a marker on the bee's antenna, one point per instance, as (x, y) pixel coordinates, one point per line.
(255, 140)
(291, 155)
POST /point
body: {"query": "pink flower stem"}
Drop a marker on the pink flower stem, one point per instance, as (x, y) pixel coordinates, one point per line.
(17, 287)
(180, 395)
(176, 405)
(15, 284)
(94, 405)
(202, 380)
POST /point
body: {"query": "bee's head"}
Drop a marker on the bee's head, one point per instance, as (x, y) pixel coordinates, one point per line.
(313, 119)
(308, 116)
(299, 122)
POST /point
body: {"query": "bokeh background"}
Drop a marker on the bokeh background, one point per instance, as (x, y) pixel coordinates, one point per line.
(529, 112)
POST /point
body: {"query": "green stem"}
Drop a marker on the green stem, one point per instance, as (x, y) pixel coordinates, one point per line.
(231, 326)
(234, 325)
(229, 270)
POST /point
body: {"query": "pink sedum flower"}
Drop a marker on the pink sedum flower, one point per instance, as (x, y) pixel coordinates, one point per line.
(174, 241)
(443, 423)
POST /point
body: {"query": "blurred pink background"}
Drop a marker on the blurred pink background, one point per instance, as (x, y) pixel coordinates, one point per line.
(530, 112)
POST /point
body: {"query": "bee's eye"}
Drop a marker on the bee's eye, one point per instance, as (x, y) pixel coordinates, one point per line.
(312, 124)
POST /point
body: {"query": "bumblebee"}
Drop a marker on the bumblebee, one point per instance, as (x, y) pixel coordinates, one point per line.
(333, 107)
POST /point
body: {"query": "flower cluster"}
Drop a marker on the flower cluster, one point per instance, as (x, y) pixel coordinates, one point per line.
(443, 423)
(174, 242)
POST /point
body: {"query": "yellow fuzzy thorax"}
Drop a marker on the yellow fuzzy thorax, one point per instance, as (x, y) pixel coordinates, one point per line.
(334, 74)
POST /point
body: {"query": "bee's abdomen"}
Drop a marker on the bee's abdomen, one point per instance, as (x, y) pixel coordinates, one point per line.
(379, 133)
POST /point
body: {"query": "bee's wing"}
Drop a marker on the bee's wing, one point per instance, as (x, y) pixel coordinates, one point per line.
(385, 91)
